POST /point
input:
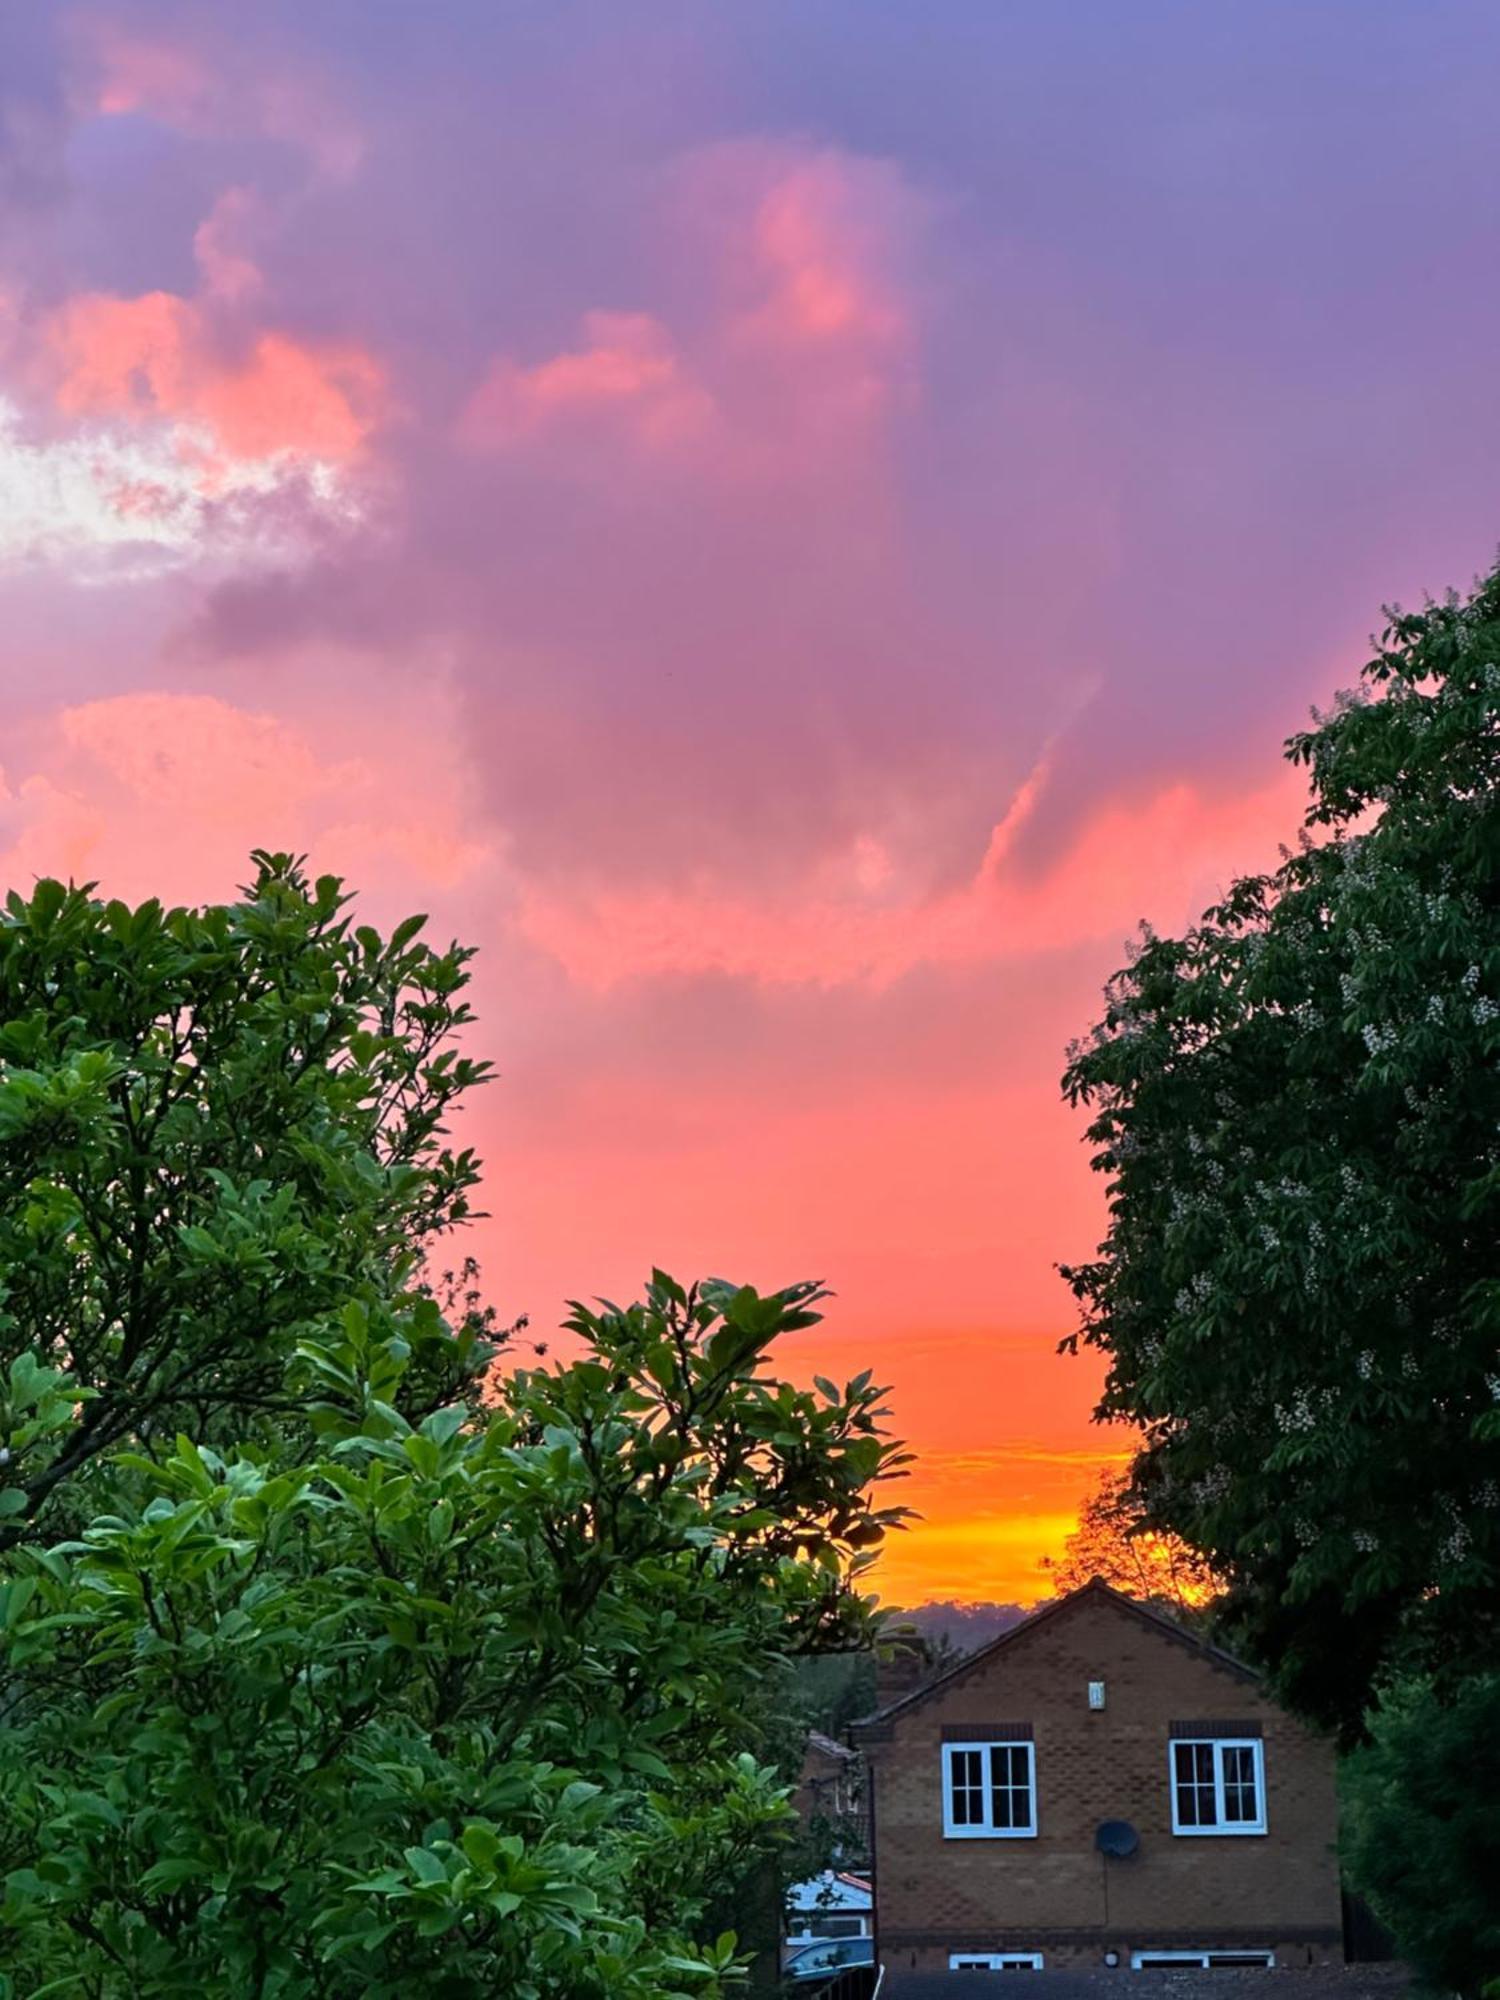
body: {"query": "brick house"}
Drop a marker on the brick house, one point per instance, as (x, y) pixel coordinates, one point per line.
(1098, 1787)
(828, 1786)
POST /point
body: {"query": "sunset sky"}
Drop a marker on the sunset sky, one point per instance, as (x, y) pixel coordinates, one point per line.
(792, 526)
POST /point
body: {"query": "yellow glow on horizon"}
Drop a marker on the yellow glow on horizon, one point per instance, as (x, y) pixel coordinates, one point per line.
(973, 1559)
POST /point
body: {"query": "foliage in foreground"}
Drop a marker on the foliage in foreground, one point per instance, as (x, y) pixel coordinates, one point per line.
(461, 1703)
(1422, 1837)
(322, 1676)
(1298, 1109)
(216, 1127)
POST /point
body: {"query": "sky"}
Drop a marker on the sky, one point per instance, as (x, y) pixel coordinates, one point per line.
(791, 527)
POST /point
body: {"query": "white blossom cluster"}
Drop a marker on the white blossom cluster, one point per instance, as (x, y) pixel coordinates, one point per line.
(1457, 1542)
(1368, 942)
(1299, 1417)
(1212, 1487)
(1289, 1189)
(1308, 1408)
(1196, 1292)
(1345, 700)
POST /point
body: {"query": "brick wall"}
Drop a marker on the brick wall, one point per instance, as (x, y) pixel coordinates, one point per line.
(1328, 1982)
(1055, 1893)
(828, 1784)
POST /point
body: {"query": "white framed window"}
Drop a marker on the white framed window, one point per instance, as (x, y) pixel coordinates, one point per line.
(811, 1924)
(1166, 1961)
(994, 1961)
(989, 1791)
(1218, 1784)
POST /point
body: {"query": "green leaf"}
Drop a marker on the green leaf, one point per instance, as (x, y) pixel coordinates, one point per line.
(425, 1865)
(173, 1872)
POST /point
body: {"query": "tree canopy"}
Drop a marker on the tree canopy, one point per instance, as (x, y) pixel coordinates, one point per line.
(1421, 1835)
(216, 1126)
(337, 1659)
(1297, 1105)
(1114, 1541)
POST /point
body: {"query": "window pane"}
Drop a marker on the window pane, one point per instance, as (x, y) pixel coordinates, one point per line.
(1010, 1785)
(1193, 1766)
(1241, 1794)
(966, 1769)
(1000, 1790)
(995, 1961)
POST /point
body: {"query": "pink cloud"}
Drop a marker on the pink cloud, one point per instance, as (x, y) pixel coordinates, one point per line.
(1162, 857)
(208, 86)
(159, 793)
(154, 357)
(806, 331)
(135, 73)
(820, 302)
(626, 375)
(822, 242)
(221, 245)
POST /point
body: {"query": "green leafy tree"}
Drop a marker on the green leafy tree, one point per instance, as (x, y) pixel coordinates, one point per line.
(216, 1126)
(1297, 1106)
(322, 1674)
(1421, 1835)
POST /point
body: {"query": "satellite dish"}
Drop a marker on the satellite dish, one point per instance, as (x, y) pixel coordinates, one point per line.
(1117, 1838)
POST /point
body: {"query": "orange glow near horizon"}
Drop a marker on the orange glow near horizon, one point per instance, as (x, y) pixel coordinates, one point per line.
(1005, 1455)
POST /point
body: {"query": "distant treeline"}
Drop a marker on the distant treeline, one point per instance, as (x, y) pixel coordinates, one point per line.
(833, 1690)
(959, 1628)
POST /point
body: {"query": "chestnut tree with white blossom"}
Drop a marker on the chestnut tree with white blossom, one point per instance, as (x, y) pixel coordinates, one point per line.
(1297, 1106)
